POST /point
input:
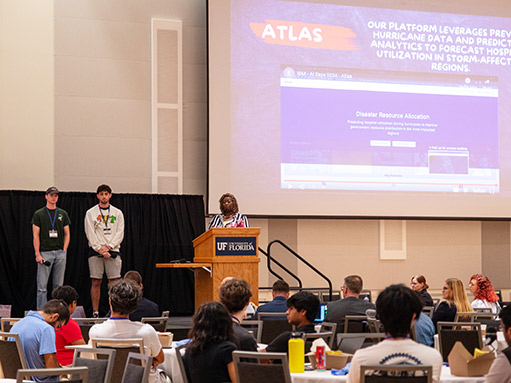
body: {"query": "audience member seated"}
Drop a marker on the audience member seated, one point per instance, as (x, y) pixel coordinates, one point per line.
(235, 295)
(350, 305)
(208, 357)
(397, 306)
(500, 371)
(424, 330)
(146, 308)
(302, 310)
(280, 293)
(454, 299)
(484, 294)
(70, 333)
(37, 335)
(418, 283)
(124, 298)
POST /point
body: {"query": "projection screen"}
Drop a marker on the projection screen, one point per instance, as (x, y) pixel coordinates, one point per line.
(322, 108)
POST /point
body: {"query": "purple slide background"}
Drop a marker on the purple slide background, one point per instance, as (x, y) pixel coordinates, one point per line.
(256, 69)
(318, 119)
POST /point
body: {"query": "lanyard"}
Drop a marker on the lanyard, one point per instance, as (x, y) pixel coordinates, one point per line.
(52, 222)
(103, 217)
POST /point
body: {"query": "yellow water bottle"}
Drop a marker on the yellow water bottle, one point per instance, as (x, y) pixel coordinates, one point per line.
(296, 352)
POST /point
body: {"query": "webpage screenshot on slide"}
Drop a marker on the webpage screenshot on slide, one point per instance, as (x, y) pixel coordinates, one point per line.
(356, 129)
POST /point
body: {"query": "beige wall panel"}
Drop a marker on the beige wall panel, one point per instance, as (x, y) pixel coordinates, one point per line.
(194, 77)
(443, 249)
(90, 184)
(101, 117)
(26, 80)
(195, 153)
(195, 122)
(194, 186)
(167, 140)
(167, 185)
(192, 12)
(102, 39)
(339, 248)
(496, 253)
(112, 10)
(194, 53)
(85, 77)
(102, 157)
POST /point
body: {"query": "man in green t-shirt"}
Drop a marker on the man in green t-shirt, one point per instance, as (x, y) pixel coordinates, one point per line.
(50, 227)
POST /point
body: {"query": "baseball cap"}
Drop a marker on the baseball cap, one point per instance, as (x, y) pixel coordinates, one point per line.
(52, 190)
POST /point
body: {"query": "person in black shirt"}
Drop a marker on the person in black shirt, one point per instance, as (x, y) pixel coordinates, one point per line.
(208, 357)
(418, 283)
(302, 309)
(235, 295)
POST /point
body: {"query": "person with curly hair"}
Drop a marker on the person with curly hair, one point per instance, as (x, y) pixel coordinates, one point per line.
(208, 356)
(484, 294)
(230, 217)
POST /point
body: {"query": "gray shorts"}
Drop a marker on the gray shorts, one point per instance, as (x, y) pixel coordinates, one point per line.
(99, 265)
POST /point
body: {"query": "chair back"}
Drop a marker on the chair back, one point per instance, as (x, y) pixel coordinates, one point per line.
(122, 347)
(374, 325)
(274, 324)
(6, 323)
(181, 363)
(395, 374)
(350, 343)
(137, 368)
(165, 314)
(12, 357)
(254, 327)
(159, 323)
(309, 338)
(483, 310)
(451, 332)
(355, 323)
(428, 310)
(100, 369)
(249, 369)
(328, 327)
(78, 374)
(463, 316)
(325, 297)
(86, 324)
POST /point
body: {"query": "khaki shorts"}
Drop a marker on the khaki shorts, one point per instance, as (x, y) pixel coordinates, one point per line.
(99, 265)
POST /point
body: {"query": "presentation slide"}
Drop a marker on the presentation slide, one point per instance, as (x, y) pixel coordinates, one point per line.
(325, 109)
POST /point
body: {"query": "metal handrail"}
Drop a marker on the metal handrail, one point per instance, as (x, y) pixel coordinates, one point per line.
(301, 259)
(269, 258)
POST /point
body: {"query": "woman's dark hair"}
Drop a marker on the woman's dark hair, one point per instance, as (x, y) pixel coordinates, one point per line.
(395, 307)
(235, 208)
(421, 279)
(212, 324)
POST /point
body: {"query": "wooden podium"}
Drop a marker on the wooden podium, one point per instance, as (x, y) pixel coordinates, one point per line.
(221, 253)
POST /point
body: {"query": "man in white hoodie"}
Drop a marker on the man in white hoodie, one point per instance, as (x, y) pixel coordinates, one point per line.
(104, 228)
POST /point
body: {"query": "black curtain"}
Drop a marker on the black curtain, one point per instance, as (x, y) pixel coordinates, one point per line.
(158, 228)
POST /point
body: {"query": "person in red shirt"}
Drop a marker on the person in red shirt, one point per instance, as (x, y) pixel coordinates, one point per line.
(70, 333)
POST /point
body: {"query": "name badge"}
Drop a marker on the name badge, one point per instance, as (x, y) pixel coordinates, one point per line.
(107, 230)
(53, 234)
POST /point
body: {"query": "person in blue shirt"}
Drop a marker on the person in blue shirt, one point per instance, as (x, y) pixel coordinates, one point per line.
(37, 335)
(280, 293)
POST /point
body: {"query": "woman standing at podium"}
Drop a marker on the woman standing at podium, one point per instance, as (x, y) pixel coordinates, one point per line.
(230, 217)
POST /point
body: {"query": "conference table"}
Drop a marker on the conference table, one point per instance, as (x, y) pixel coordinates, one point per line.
(327, 377)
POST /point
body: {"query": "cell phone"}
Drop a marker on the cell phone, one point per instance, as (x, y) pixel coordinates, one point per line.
(47, 263)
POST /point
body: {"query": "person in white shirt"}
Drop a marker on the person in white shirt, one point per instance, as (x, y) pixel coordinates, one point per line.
(124, 296)
(397, 306)
(485, 297)
(104, 228)
(500, 370)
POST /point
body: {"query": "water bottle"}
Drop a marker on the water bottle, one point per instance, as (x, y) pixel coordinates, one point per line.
(296, 352)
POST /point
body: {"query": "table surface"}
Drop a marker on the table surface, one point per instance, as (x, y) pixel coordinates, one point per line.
(327, 377)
